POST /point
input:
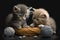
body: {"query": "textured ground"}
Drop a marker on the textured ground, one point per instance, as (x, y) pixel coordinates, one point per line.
(30, 38)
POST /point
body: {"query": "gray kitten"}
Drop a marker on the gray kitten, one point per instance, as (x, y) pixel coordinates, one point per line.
(17, 19)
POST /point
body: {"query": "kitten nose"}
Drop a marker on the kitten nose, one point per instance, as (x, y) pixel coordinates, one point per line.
(20, 15)
(31, 12)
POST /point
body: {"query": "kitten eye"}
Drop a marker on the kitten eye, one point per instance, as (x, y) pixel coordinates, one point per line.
(43, 16)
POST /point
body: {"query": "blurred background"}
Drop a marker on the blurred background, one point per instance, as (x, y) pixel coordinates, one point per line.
(51, 6)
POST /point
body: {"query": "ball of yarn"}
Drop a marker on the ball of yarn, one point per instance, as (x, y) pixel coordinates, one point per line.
(9, 31)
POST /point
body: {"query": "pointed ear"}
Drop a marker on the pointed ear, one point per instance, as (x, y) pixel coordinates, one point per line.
(14, 8)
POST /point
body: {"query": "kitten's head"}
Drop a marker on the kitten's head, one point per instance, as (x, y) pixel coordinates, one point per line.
(20, 9)
(40, 16)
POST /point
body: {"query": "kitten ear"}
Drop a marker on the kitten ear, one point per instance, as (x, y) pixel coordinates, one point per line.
(15, 8)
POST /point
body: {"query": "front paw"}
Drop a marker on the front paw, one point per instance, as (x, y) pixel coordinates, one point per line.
(40, 26)
(31, 25)
(19, 27)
